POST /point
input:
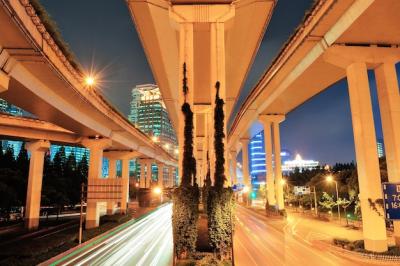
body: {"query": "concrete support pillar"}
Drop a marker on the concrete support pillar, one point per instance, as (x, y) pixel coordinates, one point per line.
(278, 163)
(245, 164)
(112, 173)
(96, 147)
(389, 104)
(267, 123)
(171, 176)
(233, 155)
(148, 174)
(37, 150)
(125, 191)
(374, 229)
(142, 179)
(160, 178)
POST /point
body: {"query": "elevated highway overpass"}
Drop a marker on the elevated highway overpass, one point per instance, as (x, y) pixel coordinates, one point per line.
(338, 39)
(37, 74)
(214, 41)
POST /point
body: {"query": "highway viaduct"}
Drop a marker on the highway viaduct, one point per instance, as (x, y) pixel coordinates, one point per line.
(36, 75)
(338, 39)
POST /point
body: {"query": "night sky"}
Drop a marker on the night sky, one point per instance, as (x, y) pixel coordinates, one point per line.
(101, 33)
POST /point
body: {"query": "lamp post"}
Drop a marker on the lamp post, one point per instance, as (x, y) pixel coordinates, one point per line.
(329, 178)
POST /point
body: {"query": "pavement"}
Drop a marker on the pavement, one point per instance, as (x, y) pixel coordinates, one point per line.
(261, 240)
(145, 241)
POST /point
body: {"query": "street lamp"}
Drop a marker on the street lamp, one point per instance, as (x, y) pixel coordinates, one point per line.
(330, 179)
(90, 81)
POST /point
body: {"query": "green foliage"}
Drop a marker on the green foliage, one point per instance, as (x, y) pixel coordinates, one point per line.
(219, 135)
(54, 32)
(327, 201)
(13, 180)
(185, 211)
(184, 219)
(220, 220)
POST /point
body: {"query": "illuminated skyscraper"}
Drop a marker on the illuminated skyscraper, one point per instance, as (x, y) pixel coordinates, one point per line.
(257, 157)
(149, 114)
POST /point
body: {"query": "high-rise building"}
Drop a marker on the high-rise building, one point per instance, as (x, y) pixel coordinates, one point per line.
(257, 157)
(79, 152)
(381, 148)
(8, 108)
(149, 114)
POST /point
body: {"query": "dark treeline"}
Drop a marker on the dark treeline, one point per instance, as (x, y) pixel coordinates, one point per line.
(61, 185)
(344, 173)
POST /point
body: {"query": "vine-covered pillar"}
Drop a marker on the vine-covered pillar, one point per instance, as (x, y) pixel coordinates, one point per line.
(218, 73)
(185, 57)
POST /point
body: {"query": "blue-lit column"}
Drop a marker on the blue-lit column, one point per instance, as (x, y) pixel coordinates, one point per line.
(267, 123)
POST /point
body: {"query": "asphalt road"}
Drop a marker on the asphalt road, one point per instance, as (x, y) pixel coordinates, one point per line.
(146, 242)
(258, 241)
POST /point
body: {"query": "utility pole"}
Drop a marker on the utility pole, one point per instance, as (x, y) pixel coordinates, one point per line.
(81, 214)
(315, 202)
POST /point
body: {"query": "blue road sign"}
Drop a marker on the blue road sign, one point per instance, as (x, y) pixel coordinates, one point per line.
(391, 200)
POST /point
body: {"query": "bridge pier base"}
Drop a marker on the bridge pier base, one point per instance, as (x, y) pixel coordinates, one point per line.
(96, 147)
(32, 212)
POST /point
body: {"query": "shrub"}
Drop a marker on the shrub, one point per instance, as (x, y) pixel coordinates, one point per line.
(220, 221)
(184, 220)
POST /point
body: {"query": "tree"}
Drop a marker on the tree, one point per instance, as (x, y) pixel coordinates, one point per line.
(327, 201)
(22, 164)
(72, 179)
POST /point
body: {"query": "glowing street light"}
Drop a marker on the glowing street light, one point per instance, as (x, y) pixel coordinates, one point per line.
(166, 146)
(330, 179)
(90, 81)
(283, 182)
(154, 139)
(246, 189)
(176, 151)
(157, 190)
